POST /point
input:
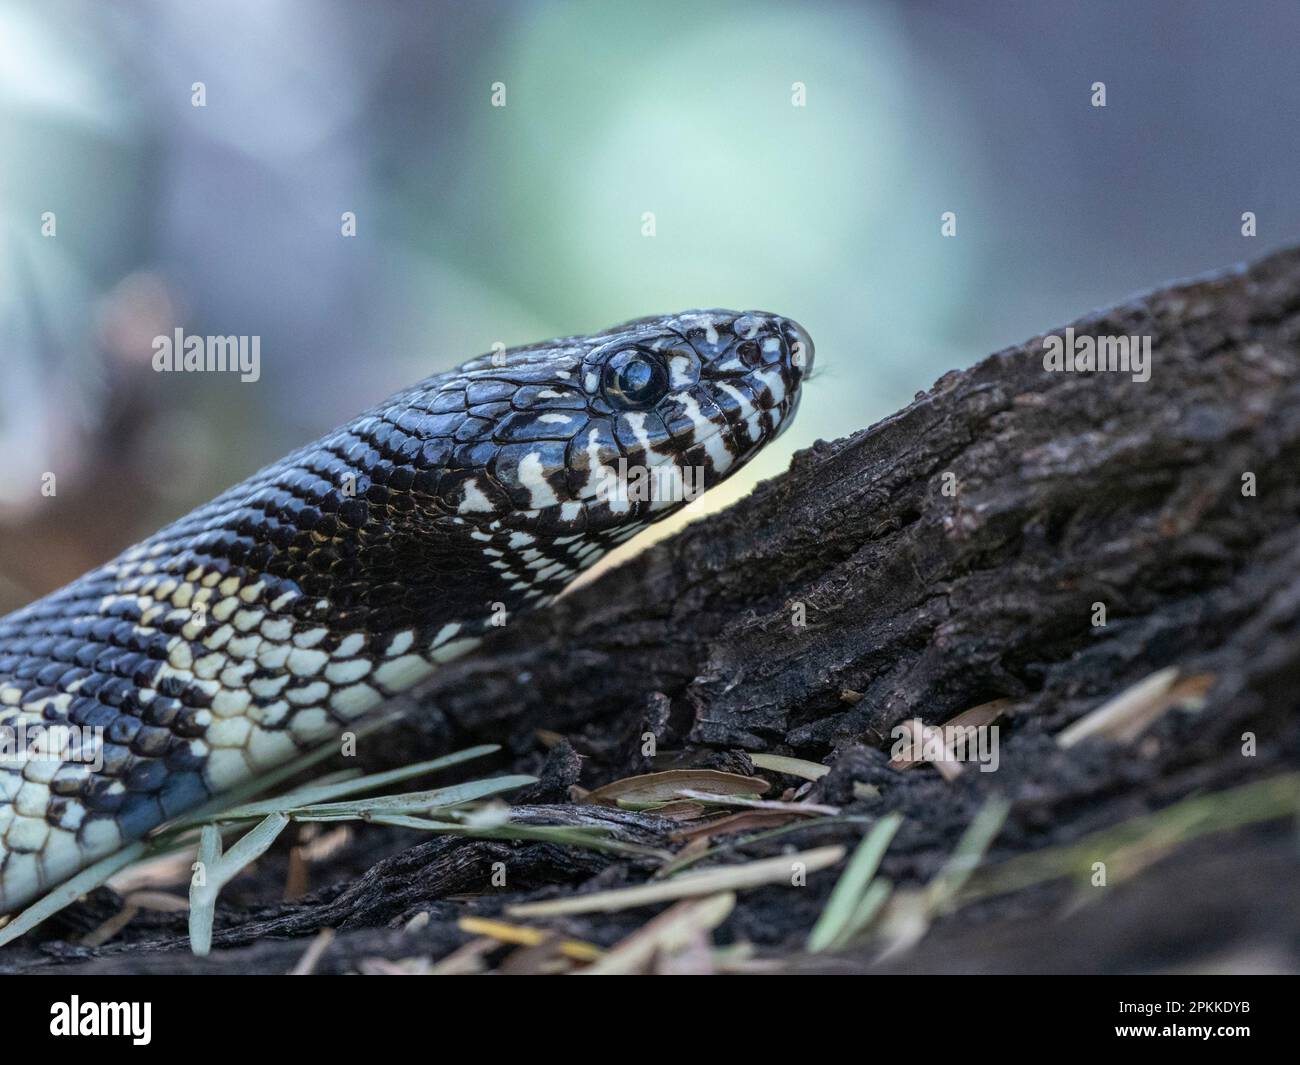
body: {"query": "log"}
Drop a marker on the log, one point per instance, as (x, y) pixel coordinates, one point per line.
(1071, 489)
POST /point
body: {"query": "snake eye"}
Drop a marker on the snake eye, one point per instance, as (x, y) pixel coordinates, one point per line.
(635, 378)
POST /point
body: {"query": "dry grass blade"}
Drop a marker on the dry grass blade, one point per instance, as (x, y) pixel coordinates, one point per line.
(979, 716)
(910, 914)
(177, 834)
(666, 934)
(677, 810)
(1201, 815)
(837, 921)
(970, 851)
(217, 869)
(791, 767)
(588, 837)
(411, 802)
(158, 901)
(744, 821)
(869, 907)
(466, 960)
(799, 809)
(688, 885)
(918, 736)
(270, 779)
(521, 935)
(314, 794)
(666, 785)
(544, 959)
(311, 957)
(111, 927)
(1135, 709)
(685, 860)
(388, 967)
(133, 904)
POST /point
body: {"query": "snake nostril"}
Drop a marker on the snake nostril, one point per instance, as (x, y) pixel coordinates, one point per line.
(800, 346)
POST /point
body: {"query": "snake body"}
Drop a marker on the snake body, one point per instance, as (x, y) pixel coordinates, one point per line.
(274, 617)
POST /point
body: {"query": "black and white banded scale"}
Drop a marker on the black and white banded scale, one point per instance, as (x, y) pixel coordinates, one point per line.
(270, 619)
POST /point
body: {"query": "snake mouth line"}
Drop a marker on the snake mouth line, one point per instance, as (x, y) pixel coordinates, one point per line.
(785, 408)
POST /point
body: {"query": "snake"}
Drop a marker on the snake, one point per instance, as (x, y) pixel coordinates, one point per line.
(272, 619)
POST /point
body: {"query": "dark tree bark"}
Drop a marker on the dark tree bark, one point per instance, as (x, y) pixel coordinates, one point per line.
(952, 554)
(1071, 489)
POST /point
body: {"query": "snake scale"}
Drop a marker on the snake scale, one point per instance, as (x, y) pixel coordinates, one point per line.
(267, 621)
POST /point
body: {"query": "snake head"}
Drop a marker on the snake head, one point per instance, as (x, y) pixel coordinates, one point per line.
(698, 393)
(599, 436)
(503, 478)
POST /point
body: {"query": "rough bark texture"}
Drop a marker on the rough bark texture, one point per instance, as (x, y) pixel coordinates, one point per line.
(1071, 490)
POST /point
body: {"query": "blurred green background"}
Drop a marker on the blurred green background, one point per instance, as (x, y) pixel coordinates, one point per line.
(478, 224)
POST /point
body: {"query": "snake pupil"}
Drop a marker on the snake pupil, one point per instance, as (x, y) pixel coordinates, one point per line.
(635, 379)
